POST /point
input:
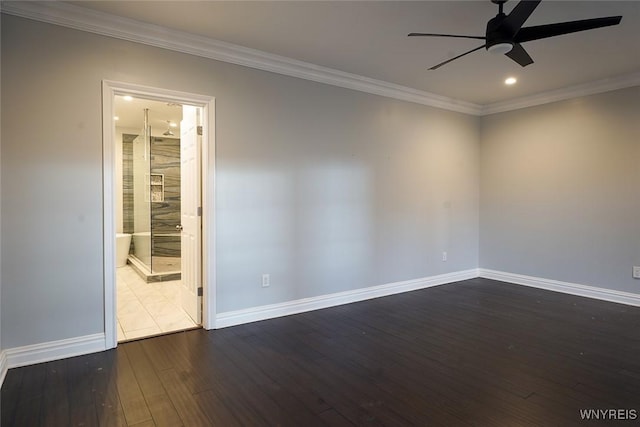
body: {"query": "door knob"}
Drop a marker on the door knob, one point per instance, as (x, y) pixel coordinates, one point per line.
(179, 227)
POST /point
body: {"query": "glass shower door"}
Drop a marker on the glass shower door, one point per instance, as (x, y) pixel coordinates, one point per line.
(141, 196)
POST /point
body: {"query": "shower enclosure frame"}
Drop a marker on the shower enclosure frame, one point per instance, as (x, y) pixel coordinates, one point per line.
(142, 235)
(109, 90)
(148, 190)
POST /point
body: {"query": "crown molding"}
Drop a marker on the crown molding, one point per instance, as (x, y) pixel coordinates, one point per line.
(80, 18)
(105, 24)
(591, 88)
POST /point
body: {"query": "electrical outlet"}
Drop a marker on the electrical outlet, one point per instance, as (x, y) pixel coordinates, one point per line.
(266, 281)
(444, 256)
(636, 272)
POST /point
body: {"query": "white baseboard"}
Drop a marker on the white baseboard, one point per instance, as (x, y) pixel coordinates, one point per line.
(610, 295)
(3, 366)
(254, 314)
(54, 350)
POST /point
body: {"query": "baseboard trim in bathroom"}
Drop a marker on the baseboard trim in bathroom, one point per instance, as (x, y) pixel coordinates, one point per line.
(163, 277)
(148, 277)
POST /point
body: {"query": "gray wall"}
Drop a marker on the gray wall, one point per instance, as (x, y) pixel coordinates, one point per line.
(324, 188)
(560, 190)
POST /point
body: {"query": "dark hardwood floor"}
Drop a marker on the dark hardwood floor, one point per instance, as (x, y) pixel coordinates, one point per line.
(477, 352)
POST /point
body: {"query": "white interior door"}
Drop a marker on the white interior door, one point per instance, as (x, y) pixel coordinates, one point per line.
(190, 212)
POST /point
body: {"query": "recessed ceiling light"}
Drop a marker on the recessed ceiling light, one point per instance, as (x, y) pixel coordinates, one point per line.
(128, 98)
(173, 125)
(510, 81)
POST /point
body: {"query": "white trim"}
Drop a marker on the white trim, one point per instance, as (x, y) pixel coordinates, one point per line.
(238, 317)
(80, 18)
(564, 287)
(54, 350)
(591, 88)
(4, 366)
(83, 19)
(209, 217)
(109, 220)
(109, 90)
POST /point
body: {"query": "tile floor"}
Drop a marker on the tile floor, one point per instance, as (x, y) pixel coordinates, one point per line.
(148, 308)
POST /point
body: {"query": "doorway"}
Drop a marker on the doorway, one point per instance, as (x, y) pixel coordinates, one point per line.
(158, 194)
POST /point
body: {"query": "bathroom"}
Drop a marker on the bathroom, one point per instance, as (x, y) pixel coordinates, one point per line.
(148, 218)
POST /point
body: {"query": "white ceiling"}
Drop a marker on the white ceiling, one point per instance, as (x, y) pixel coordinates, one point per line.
(131, 115)
(369, 38)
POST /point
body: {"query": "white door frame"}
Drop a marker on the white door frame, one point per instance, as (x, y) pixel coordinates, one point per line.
(109, 90)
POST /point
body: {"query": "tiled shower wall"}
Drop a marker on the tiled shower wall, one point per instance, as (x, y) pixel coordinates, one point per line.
(165, 159)
(127, 183)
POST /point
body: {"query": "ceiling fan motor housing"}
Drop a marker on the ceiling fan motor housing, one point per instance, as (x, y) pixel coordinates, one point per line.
(499, 36)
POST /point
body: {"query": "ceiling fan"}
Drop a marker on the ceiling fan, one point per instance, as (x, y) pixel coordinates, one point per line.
(505, 32)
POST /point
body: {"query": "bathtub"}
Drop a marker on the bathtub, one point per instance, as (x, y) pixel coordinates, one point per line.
(123, 242)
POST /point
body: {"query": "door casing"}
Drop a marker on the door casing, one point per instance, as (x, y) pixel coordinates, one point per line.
(190, 218)
(109, 90)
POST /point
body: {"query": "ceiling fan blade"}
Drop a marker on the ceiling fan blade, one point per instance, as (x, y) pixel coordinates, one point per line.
(519, 14)
(528, 34)
(435, 67)
(444, 35)
(519, 55)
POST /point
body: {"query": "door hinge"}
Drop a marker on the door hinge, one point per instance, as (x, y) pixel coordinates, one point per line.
(199, 210)
(199, 130)
(200, 291)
